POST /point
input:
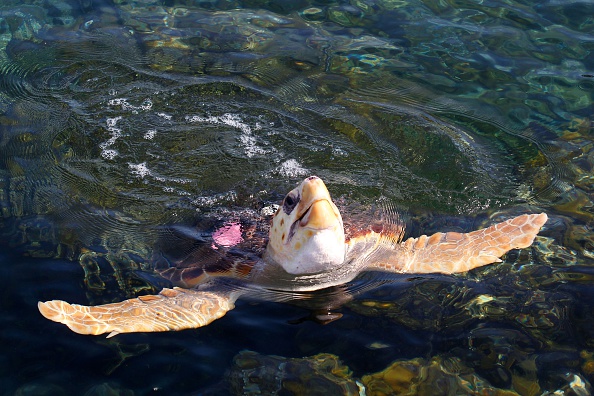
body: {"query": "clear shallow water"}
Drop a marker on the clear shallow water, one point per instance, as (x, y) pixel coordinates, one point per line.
(132, 129)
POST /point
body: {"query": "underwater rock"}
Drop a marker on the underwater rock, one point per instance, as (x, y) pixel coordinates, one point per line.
(108, 389)
(40, 389)
(313, 13)
(253, 373)
(437, 376)
(427, 304)
(576, 385)
(323, 374)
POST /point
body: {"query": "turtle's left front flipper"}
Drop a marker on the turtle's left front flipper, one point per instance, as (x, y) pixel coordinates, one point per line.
(172, 309)
(452, 252)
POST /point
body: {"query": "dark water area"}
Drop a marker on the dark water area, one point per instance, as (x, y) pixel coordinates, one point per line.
(131, 130)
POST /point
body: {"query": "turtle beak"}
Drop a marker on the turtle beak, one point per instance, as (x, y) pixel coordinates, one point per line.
(313, 189)
(319, 212)
(319, 216)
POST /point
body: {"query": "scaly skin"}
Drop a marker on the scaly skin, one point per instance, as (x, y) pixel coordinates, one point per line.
(172, 309)
(306, 237)
(453, 252)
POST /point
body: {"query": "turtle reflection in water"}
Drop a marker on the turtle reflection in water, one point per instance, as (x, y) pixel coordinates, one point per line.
(307, 250)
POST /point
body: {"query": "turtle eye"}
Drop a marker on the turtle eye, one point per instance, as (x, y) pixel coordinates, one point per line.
(291, 200)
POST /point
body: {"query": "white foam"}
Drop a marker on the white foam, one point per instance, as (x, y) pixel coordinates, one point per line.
(337, 151)
(250, 146)
(234, 120)
(111, 122)
(172, 179)
(109, 154)
(140, 170)
(116, 133)
(164, 115)
(292, 168)
(146, 104)
(208, 201)
(118, 102)
(150, 134)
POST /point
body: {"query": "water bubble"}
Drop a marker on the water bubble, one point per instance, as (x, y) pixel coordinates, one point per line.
(165, 115)
(140, 170)
(248, 141)
(116, 133)
(146, 104)
(292, 168)
(150, 134)
(111, 122)
(109, 154)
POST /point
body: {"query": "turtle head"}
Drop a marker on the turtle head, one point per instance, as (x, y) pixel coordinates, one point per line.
(307, 234)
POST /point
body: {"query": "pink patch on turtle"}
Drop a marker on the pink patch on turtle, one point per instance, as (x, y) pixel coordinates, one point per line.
(228, 235)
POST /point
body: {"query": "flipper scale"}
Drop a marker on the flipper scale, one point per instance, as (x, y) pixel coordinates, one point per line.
(172, 309)
(453, 252)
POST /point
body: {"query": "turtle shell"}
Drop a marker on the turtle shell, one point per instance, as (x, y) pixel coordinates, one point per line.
(189, 257)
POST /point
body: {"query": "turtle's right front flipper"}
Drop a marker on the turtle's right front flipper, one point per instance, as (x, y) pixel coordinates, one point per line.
(172, 309)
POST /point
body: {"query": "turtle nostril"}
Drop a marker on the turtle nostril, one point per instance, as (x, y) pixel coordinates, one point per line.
(312, 178)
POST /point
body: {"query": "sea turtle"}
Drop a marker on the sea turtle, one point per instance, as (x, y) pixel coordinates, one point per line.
(307, 250)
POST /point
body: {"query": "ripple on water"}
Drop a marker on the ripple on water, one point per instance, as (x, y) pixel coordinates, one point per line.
(135, 146)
